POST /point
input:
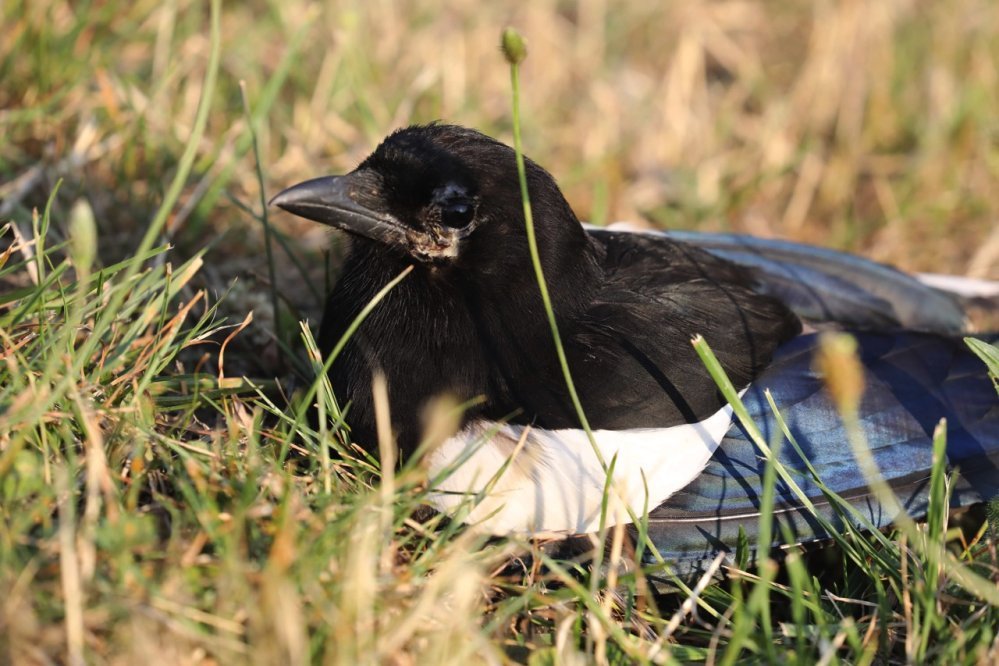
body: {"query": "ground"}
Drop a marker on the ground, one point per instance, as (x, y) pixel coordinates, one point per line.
(153, 510)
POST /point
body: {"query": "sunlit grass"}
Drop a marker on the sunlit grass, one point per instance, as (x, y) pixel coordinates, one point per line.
(159, 508)
(868, 126)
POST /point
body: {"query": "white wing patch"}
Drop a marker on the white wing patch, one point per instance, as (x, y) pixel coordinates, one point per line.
(962, 286)
(555, 483)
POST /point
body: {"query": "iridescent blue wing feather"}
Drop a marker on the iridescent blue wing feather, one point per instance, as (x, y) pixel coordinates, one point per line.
(913, 381)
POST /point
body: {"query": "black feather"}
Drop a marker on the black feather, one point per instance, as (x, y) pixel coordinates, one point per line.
(473, 325)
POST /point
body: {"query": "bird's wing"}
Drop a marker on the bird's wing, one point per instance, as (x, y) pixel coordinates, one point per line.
(912, 381)
(630, 350)
(823, 285)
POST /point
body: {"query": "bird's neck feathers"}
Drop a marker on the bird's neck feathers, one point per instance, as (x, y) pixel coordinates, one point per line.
(443, 330)
(497, 269)
(420, 337)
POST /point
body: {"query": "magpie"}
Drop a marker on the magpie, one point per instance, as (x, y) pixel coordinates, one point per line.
(468, 322)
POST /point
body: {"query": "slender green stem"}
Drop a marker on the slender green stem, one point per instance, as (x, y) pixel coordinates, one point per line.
(514, 59)
(264, 219)
(282, 240)
(532, 243)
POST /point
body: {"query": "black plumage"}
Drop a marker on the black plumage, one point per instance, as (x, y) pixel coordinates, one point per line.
(472, 325)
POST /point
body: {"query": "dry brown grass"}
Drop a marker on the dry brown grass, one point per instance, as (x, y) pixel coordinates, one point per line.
(869, 126)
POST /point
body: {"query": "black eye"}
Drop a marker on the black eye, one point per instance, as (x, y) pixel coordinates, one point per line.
(457, 214)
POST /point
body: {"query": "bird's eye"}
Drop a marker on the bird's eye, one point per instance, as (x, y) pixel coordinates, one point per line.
(457, 214)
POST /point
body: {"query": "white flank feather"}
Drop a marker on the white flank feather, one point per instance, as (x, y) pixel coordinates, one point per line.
(555, 483)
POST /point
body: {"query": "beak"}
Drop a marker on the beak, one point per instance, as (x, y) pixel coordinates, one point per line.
(348, 202)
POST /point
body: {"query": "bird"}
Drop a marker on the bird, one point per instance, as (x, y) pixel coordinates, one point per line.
(468, 323)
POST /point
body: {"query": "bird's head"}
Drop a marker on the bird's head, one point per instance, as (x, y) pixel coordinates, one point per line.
(438, 194)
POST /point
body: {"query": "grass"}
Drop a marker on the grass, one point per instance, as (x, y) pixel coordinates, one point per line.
(158, 507)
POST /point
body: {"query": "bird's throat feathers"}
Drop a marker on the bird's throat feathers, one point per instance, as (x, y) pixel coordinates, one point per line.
(445, 331)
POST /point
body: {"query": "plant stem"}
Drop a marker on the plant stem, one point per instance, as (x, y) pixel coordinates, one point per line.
(532, 243)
